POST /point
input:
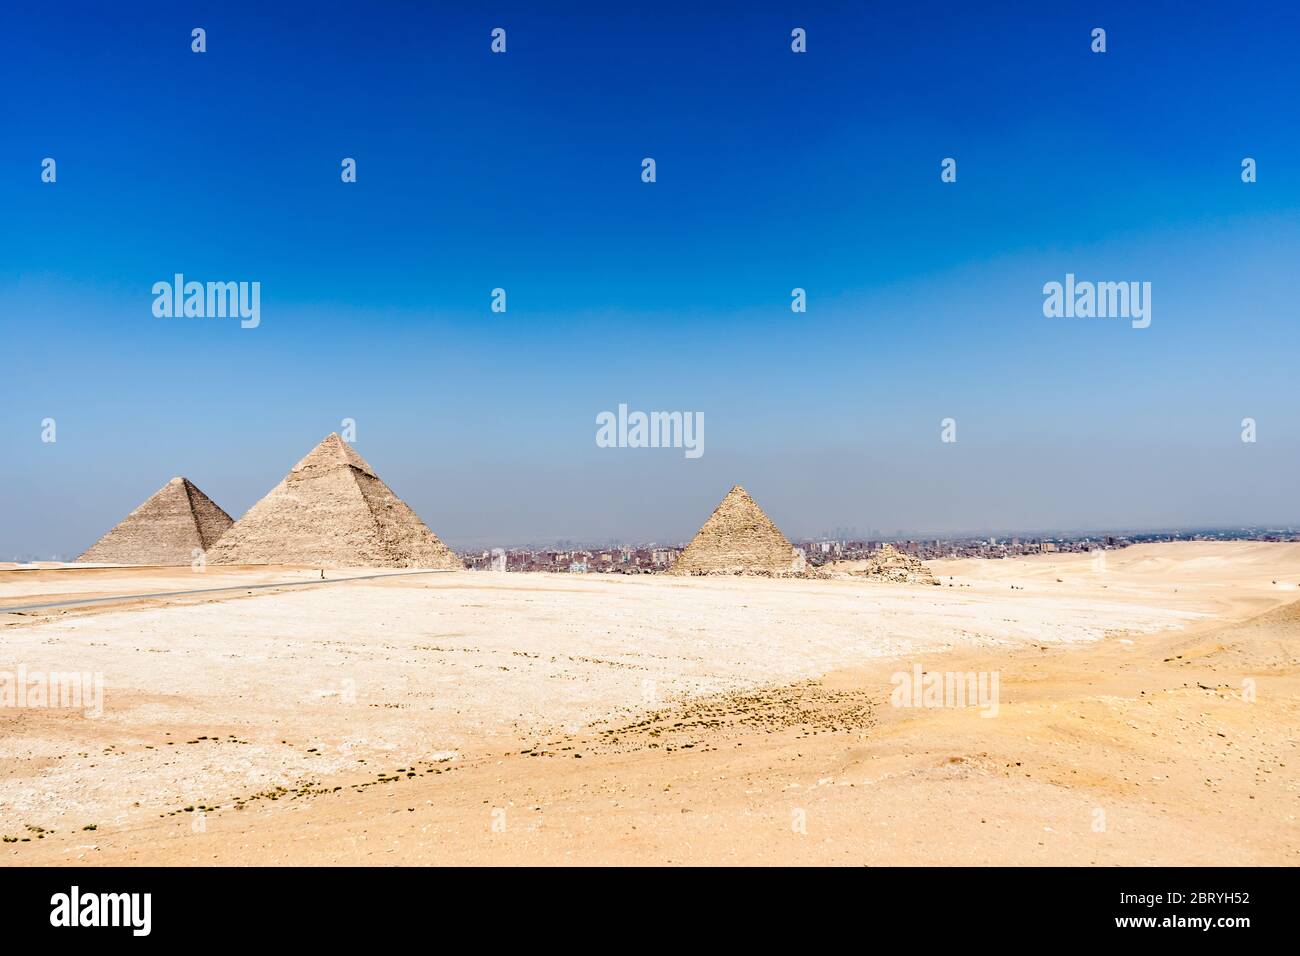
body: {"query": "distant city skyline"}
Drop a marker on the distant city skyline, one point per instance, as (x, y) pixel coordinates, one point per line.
(776, 171)
(652, 557)
(1075, 534)
(566, 544)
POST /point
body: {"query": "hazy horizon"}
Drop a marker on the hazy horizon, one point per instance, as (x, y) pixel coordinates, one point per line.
(775, 171)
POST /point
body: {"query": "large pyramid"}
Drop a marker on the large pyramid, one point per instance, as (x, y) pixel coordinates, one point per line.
(738, 538)
(332, 511)
(174, 521)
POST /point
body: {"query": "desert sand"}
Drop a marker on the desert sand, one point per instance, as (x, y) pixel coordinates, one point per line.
(1149, 713)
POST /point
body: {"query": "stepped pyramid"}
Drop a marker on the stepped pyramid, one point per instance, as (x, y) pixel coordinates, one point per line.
(738, 538)
(173, 521)
(332, 511)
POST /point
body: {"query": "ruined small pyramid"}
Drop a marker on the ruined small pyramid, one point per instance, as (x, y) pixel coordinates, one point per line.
(332, 511)
(738, 538)
(173, 522)
(887, 564)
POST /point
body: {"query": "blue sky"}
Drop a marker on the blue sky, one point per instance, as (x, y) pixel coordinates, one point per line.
(775, 170)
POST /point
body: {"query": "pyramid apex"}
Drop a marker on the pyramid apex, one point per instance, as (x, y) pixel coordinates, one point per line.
(332, 440)
(331, 452)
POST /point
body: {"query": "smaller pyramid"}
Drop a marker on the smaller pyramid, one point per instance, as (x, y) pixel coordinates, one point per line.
(332, 511)
(887, 564)
(174, 521)
(738, 538)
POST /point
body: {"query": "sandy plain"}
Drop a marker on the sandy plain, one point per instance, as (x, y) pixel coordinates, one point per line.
(1149, 713)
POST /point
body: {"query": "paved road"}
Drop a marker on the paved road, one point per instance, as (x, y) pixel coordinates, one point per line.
(119, 598)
